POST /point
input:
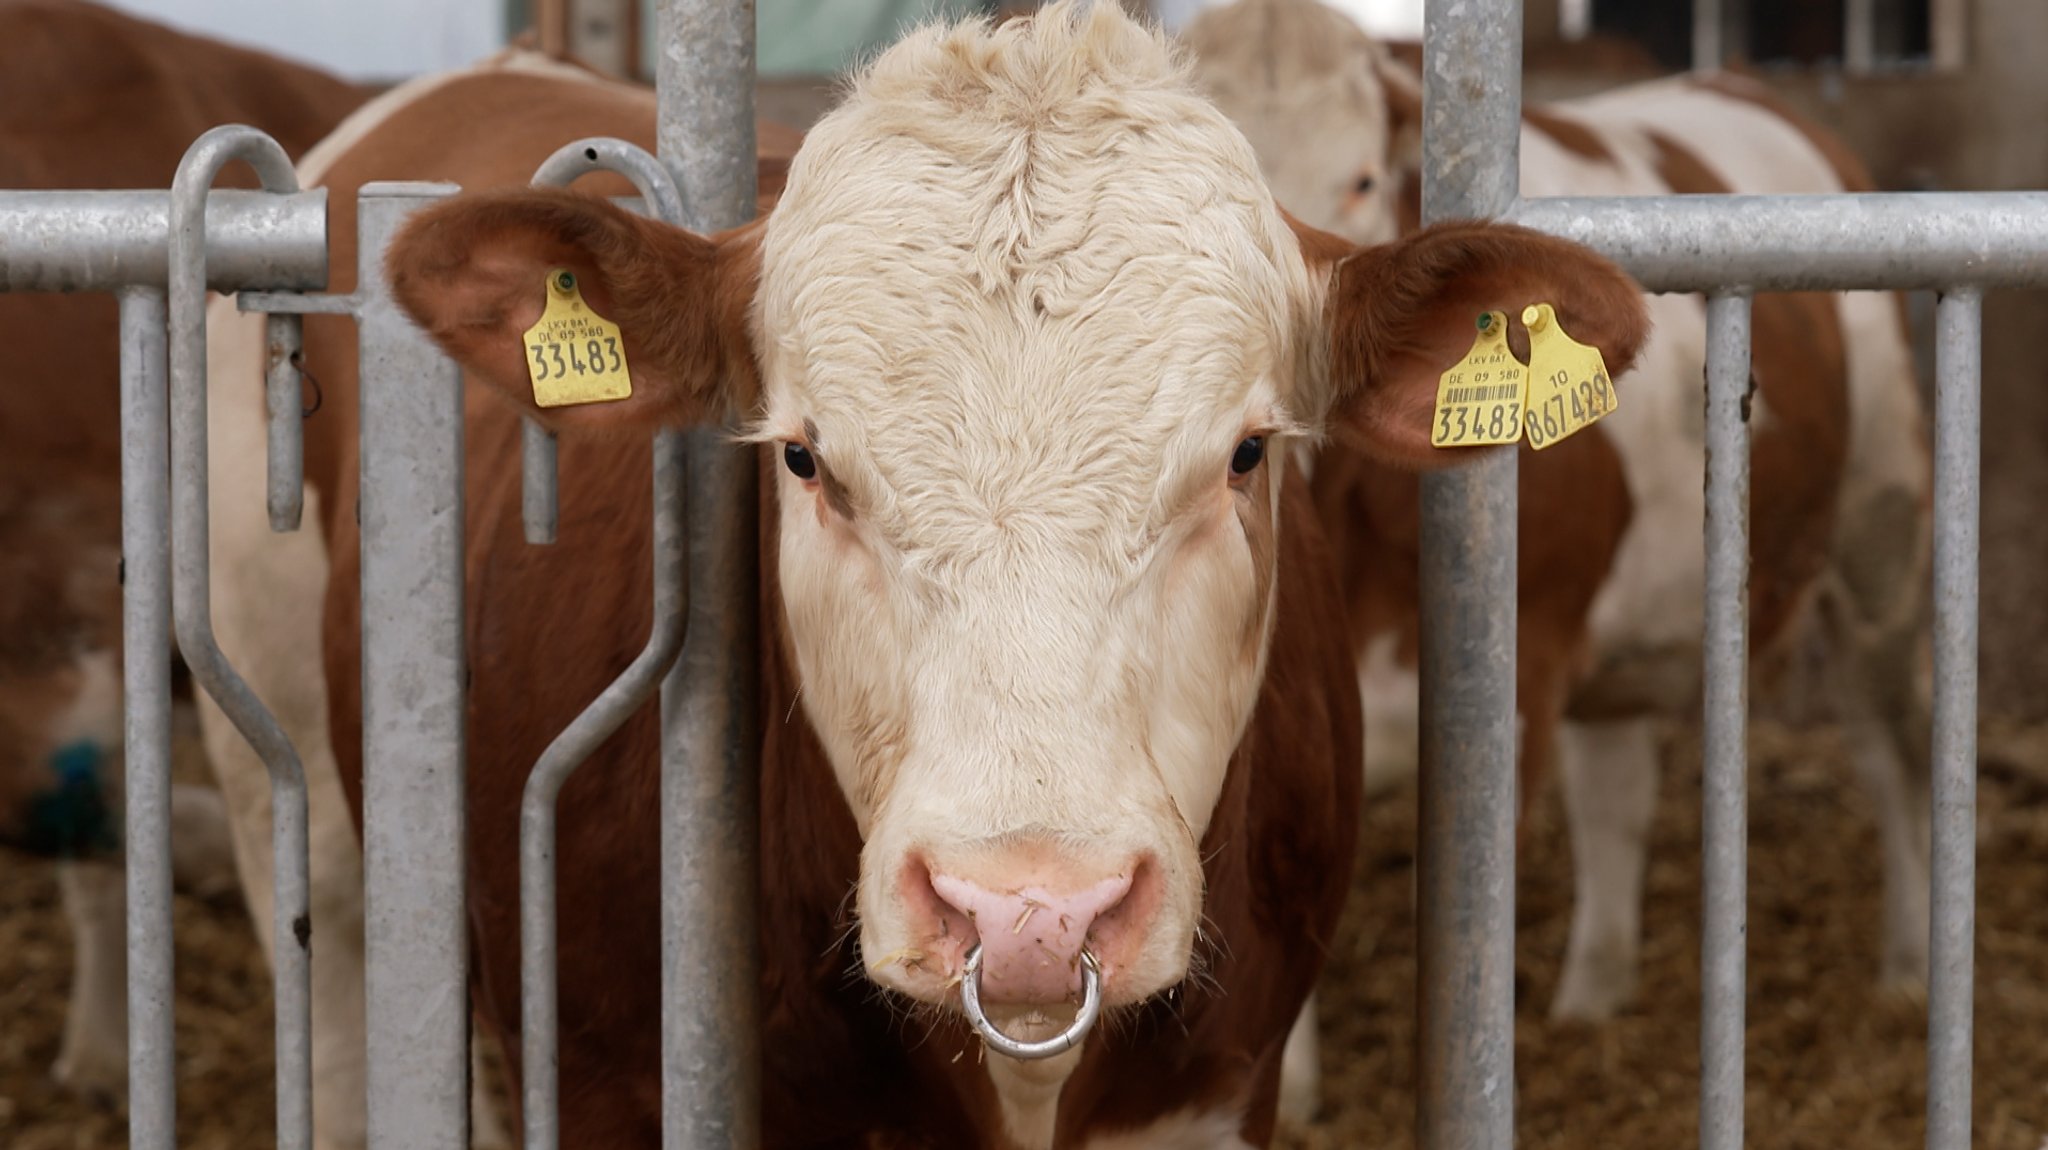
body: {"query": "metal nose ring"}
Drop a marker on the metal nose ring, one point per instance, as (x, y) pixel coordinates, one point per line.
(1065, 1040)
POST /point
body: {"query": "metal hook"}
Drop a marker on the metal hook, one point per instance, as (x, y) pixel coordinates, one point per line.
(1068, 1039)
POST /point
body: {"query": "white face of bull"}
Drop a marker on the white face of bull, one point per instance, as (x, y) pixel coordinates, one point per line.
(1028, 332)
(1027, 539)
(1330, 114)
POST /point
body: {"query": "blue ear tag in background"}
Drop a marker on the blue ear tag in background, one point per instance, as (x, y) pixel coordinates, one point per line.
(72, 818)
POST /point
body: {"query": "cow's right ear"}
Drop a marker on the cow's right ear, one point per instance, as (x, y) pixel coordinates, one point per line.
(472, 272)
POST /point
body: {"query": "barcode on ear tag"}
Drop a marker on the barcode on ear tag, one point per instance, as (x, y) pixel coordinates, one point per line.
(1479, 401)
(1569, 389)
(573, 354)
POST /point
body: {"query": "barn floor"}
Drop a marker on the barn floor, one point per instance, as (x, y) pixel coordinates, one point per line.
(1831, 1062)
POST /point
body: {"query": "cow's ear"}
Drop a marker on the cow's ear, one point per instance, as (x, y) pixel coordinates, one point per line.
(474, 273)
(1401, 314)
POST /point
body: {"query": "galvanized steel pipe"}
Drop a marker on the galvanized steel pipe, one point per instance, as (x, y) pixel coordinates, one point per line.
(538, 945)
(283, 340)
(191, 594)
(1959, 321)
(146, 699)
(1724, 807)
(710, 789)
(1465, 897)
(1880, 241)
(105, 241)
(414, 709)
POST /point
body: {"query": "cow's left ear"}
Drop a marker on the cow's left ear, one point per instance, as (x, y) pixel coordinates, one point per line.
(1401, 314)
(473, 272)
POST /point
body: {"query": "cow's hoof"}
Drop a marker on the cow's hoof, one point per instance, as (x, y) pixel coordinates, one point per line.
(1592, 992)
(98, 1077)
(1905, 989)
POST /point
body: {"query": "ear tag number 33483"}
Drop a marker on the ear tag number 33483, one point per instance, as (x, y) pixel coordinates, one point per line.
(573, 354)
(1479, 401)
(1568, 385)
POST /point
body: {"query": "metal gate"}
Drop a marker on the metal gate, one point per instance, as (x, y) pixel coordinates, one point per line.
(161, 251)
(1727, 247)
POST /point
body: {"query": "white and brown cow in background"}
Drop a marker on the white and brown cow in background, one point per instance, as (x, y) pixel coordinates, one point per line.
(93, 98)
(1048, 625)
(1611, 529)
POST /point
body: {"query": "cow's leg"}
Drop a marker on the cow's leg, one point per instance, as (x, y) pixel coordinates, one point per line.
(1610, 775)
(267, 603)
(1875, 603)
(202, 843)
(1875, 670)
(93, 1060)
(1301, 1071)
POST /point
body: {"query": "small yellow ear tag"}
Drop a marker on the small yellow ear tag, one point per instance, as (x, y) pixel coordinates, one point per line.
(1479, 401)
(1568, 386)
(574, 355)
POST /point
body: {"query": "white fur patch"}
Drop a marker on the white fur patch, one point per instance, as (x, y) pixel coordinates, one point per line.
(1186, 1130)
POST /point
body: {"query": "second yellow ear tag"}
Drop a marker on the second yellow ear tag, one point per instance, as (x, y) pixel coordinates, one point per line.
(1568, 386)
(573, 354)
(1479, 401)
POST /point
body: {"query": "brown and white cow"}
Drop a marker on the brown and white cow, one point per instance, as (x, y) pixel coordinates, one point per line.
(1053, 653)
(91, 98)
(1611, 523)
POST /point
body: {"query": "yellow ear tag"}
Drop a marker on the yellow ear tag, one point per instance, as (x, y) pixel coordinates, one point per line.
(574, 355)
(1479, 401)
(1568, 386)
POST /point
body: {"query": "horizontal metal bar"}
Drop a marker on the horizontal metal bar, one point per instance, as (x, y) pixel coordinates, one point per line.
(297, 303)
(1888, 241)
(102, 241)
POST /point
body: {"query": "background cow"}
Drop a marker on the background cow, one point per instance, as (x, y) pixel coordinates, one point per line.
(1015, 344)
(90, 98)
(1611, 522)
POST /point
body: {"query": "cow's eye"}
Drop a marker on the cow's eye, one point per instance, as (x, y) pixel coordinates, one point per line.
(1363, 186)
(798, 459)
(1249, 454)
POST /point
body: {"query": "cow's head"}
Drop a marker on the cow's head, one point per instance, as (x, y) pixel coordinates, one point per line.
(1335, 119)
(1027, 334)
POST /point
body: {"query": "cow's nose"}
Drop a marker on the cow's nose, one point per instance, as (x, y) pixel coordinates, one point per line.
(1032, 934)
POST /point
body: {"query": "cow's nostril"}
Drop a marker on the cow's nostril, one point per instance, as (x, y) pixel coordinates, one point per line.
(1031, 933)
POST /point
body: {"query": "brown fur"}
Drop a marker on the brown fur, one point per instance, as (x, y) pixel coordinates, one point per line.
(1404, 312)
(92, 98)
(1567, 133)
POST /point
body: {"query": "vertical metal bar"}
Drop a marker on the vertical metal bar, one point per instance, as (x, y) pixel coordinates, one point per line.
(1859, 36)
(1725, 802)
(414, 704)
(1471, 106)
(1959, 321)
(1707, 23)
(539, 497)
(146, 673)
(191, 596)
(284, 339)
(711, 1055)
